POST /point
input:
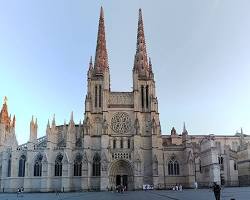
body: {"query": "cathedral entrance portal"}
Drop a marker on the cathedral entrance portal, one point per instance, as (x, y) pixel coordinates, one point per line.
(121, 173)
(122, 180)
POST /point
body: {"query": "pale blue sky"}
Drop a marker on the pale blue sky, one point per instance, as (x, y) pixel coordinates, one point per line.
(200, 53)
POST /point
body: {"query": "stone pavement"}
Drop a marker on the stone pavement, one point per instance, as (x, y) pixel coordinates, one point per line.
(242, 193)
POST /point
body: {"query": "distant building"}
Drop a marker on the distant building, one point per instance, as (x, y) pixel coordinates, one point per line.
(119, 141)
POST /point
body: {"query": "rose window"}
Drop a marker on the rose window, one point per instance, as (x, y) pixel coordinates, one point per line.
(120, 122)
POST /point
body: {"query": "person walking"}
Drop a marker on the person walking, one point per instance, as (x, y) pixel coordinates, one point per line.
(216, 189)
(195, 185)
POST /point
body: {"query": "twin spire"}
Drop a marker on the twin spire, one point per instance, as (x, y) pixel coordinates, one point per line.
(101, 55)
(141, 65)
(141, 60)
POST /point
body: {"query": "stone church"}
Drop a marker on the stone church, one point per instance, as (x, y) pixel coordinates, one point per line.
(119, 141)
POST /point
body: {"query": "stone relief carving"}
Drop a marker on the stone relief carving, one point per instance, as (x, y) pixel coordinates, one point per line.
(121, 122)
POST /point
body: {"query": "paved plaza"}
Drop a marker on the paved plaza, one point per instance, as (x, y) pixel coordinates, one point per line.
(242, 193)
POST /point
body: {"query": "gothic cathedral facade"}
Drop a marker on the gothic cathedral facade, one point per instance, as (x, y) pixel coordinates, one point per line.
(119, 141)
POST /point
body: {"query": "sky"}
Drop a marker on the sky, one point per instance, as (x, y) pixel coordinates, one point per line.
(200, 52)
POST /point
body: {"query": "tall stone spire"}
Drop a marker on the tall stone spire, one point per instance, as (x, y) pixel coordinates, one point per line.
(101, 55)
(184, 131)
(141, 61)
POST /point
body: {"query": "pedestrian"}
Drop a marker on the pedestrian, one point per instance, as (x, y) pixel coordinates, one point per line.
(195, 185)
(216, 189)
(18, 191)
(180, 187)
(176, 187)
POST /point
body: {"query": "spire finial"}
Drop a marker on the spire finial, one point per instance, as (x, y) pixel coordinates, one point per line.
(101, 55)
(101, 12)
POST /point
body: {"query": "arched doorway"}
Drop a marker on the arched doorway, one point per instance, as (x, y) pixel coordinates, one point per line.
(121, 173)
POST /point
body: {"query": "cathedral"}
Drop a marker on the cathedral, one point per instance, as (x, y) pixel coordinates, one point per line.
(119, 141)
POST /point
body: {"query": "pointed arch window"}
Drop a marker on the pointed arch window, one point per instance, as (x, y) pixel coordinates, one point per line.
(96, 96)
(58, 165)
(173, 167)
(100, 96)
(147, 97)
(38, 166)
(96, 165)
(78, 165)
(121, 143)
(21, 170)
(128, 143)
(9, 167)
(142, 96)
(200, 166)
(114, 143)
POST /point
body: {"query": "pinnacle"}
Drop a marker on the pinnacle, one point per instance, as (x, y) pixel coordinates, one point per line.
(48, 124)
(54, 120)
(72, 117)
(90, 61)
